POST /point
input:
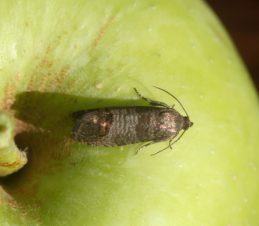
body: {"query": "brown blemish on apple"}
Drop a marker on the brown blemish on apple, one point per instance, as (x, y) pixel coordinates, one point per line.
(14, 203)
(42, 73)
(10, 201)
(61, 75)
(30, 84)
(42, 79)
(43, 83)
(8, 96)
(9, 93)
(102, 31)
(72, 86)
(44, 63)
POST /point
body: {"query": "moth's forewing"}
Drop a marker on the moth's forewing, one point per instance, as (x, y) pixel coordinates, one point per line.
(92, 125)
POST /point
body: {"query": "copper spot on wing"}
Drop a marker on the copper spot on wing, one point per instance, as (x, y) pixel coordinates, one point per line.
(92, 125)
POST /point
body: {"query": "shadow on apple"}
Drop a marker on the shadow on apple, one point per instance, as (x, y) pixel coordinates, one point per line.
(47, 138)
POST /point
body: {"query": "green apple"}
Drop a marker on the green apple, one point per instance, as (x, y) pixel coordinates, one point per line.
(57, 57)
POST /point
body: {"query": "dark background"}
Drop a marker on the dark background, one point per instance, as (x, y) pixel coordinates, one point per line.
(241, 19)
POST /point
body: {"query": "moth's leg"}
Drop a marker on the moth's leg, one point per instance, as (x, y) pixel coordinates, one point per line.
(175, 139)
(144, 146)
(171, 142)
(168, 146)
(151, 102)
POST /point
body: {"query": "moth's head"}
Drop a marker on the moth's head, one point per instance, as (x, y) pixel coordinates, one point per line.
(187, 123)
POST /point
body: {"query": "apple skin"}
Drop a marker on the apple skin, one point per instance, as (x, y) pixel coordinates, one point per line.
(61, 56)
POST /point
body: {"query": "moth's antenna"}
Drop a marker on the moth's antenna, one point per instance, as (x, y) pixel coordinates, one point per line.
(174, 98)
